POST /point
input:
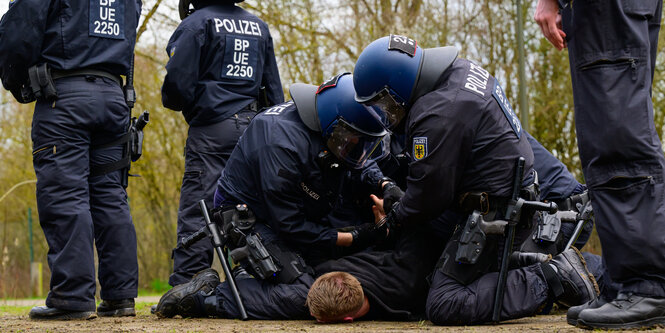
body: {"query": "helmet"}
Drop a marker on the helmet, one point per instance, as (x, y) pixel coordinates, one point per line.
(350, 131)
(184, 10)
(392, 72)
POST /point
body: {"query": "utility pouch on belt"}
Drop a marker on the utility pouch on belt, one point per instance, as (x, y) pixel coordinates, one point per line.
(41, 83)
(245, 245)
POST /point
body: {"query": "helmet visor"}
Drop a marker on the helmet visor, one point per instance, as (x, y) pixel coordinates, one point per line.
(354, 146)
(386, 108)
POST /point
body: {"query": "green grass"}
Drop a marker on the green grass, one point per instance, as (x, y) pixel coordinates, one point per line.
(8, 310)
(142, 309)
(157, 288)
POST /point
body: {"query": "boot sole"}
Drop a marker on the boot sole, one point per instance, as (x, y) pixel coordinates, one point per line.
(128, 312)
(179, 307)
(642, 324)
(572, 322)
(86, 315)
(592, 278)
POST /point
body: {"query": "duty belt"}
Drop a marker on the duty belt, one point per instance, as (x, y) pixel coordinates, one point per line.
(485, 203)
(58, 74)
(482, 202)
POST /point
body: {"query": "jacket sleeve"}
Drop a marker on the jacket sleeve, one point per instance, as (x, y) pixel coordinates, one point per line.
(139, 5)
(280, 179)
(433, 181)
(270, 78)
(182, 70)
(21, 37)
(371, 174)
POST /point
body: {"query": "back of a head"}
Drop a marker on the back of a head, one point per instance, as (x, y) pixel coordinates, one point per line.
(335, 295)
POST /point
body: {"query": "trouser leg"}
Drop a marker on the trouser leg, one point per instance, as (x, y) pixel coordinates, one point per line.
(596, 265)
(451, 303)
(264, 300)
(115, 236)
(60, 158)
(611, 60)
(208, 148)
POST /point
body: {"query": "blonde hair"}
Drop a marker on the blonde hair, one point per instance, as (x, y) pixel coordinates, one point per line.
(334, 295)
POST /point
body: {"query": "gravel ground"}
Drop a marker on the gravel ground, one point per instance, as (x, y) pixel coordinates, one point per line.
(14, 318)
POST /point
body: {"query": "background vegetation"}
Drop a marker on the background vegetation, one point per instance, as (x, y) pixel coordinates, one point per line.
(314, 39)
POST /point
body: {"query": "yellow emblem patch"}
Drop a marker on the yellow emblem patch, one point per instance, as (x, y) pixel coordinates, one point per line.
(419, 148)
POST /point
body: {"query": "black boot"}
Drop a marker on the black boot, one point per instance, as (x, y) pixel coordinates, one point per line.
(569, 280)
(182, 299)
(625, 312)
(116, 308)
(574, 312)
(47, 313)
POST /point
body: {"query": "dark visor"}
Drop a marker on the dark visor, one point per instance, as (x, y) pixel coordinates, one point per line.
(354, 146)
(386, 108)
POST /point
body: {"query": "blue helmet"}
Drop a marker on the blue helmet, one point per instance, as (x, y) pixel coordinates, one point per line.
(392, 72)
(350, 130)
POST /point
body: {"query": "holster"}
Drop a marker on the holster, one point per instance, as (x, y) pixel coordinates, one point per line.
(291, 264)
(132, 143)
(467, 273)
(41, 83)
(473, 249)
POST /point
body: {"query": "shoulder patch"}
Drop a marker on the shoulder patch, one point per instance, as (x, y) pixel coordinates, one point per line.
(476, 80)
(500, 97)
(172, 52)
(403, 44)
(277, 109)
(419, 147)
(107, 19)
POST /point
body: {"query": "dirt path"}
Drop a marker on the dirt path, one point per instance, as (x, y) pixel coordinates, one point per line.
(145, 322)
(148, 323)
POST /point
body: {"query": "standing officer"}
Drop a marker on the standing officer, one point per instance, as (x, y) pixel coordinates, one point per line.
(464, 140)
(69, 55)
(612, 49)
(221, 56)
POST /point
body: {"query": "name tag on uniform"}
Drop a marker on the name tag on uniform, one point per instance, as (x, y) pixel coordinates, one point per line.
(107, 19)
(500, 96)
(240, 58)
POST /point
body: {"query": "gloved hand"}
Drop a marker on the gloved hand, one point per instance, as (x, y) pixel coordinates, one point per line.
(368, 234)
(391, 195)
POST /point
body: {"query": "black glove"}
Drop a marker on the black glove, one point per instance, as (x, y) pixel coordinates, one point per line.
(368, 234)
(391, 195)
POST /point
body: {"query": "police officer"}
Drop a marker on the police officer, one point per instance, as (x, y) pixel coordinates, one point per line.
(69, 54)
(287, 168)
(220, 58)
(612, 62)
(464, 139)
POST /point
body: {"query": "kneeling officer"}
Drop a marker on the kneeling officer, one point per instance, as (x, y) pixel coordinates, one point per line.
(289, 164)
